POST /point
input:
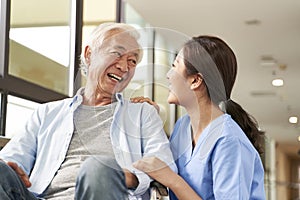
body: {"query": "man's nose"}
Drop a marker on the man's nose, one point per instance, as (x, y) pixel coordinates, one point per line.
(122, 64)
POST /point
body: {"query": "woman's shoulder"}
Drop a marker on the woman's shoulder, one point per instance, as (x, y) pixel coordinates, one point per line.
(184, 119)
(231, 133)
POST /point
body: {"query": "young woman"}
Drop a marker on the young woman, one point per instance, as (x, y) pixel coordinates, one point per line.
(217, 144)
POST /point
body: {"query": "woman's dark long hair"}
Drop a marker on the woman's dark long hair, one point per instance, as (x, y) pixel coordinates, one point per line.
(215, 61)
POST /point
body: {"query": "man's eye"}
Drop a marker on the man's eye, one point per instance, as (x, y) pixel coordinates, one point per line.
(116, 53)
(132, 61)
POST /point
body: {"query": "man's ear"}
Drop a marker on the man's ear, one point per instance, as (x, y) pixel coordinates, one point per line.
(87, 55)
(196, 81)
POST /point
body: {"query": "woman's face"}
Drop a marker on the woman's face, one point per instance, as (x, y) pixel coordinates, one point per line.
(179, 83)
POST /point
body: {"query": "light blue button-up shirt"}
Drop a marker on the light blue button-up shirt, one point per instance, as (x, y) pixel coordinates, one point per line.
(40, 148)
(223, 164)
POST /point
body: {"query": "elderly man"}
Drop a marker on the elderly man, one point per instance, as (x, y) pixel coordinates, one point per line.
(83, 147)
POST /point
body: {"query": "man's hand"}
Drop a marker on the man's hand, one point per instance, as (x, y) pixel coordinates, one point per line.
(131, 179)
(145, 99)
(23, 176)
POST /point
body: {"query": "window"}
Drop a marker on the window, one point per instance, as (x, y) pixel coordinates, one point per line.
(38, 54)
(39, 51)
(150, 77)
(40, 43)
(142, 82)
(3, 9)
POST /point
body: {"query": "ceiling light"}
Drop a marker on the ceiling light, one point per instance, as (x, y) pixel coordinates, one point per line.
(252, 22)
(293, 120)
(268, 60)
(268, 63)
(298, 138)
(277, 82)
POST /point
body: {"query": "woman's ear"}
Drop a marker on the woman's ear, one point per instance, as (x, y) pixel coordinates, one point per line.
(87, 55)
(196, 81)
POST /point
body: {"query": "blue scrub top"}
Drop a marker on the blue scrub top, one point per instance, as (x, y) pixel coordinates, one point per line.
(223, 164)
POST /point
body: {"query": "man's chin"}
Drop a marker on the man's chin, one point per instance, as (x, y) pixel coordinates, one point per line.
(118, 89)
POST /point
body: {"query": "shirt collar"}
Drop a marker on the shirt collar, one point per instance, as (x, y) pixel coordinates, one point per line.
(78, 98)
(120, 98)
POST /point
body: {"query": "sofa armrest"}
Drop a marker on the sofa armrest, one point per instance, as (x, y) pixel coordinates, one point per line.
(3, 141)
(158, 191)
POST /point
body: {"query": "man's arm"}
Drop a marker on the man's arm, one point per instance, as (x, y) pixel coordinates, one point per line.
(154, 140)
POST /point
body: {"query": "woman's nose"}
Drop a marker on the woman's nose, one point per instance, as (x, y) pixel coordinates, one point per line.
(169, 74)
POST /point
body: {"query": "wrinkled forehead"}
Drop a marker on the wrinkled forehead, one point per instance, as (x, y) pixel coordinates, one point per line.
(123, 42)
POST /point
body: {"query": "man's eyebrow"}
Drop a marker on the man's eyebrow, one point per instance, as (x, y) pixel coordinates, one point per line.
(124, 49)
(120, 47)
(136, 55)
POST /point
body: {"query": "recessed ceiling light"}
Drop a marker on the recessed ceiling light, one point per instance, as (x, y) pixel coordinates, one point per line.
(268, 60)
(293, 120)
(277, 82)
(268, 63)
(253, 22)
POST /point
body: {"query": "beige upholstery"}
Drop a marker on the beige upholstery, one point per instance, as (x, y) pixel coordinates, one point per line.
(3, 141)
(158, 191)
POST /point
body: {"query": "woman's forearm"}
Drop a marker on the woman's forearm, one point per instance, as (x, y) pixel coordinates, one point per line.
(182, 190)
(162, 173)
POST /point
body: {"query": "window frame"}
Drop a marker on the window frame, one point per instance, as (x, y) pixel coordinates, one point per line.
(11, 85)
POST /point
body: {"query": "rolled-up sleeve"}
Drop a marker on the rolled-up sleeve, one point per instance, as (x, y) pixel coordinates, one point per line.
(137, 132)
(154, 138)
(144, 182)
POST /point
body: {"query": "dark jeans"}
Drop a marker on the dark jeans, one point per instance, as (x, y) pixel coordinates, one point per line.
(99, 177)
(11, 186)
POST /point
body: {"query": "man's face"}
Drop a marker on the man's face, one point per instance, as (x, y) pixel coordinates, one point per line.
(113, 66)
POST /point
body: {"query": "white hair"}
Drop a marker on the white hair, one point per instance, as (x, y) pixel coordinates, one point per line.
(102, 32)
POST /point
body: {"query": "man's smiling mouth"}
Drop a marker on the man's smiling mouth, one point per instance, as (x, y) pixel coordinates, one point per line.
(115, 77)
